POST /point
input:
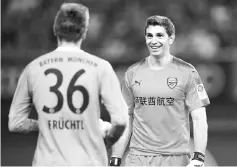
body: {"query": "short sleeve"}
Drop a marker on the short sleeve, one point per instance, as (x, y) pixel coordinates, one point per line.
(196, 95)
(127, 92)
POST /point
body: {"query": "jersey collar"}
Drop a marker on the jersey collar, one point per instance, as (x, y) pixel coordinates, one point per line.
(69, 49)
(157, 68)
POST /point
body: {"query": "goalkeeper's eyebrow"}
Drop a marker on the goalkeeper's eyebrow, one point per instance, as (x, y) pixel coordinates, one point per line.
(149, 34)
(160, 34)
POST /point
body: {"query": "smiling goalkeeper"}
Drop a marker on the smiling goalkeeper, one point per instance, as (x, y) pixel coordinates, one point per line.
(161, 91)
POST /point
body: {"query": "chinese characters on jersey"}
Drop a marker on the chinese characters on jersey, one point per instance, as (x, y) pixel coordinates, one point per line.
(155, 101)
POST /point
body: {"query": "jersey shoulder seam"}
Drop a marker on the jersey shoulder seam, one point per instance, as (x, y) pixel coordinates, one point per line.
(136, 65)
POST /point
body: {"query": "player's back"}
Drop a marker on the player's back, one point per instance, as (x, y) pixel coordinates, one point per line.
(65, 91)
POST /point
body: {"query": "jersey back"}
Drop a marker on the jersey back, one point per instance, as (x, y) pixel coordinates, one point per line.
(65, 88)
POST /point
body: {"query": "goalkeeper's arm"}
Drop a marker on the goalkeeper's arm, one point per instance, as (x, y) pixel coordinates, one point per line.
(200, 129)
(21, 107)
(200, 136)
(113, 135)
(119, 147)
(24, 126)
(114, 102)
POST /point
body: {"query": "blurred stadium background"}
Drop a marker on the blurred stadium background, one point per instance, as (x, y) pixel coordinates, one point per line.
(206, 36)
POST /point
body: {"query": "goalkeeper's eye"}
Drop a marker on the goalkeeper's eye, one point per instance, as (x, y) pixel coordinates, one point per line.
(149, 35)
(159, 35)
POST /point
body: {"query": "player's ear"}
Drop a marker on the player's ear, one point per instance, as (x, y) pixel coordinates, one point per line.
(58, 40)
(145, 33)
(84, 34)
(171, 39)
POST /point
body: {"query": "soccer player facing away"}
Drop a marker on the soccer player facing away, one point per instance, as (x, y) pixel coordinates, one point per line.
(161, 91)
(64, 86)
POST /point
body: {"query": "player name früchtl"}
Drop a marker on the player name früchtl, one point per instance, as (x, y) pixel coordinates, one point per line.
(68, 59)
(65, 124)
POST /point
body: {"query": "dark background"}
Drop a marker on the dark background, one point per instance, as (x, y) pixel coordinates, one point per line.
(206, 36)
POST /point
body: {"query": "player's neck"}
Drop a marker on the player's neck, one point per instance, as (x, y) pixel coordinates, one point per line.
(70, 44)
(159, 62)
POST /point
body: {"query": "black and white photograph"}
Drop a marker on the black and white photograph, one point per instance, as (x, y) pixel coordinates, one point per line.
(119, 83)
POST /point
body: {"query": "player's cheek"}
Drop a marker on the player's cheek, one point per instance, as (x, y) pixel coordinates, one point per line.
(148, 43)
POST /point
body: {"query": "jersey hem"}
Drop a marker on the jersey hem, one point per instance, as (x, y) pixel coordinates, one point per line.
(136, 151)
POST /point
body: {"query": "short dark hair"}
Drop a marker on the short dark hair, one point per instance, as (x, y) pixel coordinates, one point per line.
(161, 21)
(71, 21)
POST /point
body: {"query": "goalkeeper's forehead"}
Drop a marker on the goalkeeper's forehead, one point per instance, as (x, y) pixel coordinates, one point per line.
(161, 21)
(155, 29)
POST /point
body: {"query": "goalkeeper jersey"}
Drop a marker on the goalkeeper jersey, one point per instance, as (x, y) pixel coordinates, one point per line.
(160, 102)
(65, 87)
